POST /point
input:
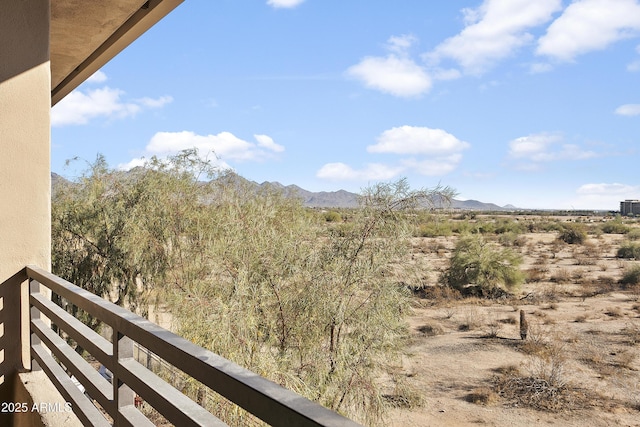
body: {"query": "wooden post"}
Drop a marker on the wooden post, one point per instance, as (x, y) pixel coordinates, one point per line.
(524, 326)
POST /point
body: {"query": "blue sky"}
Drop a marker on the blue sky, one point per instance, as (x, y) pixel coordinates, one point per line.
(532, 103)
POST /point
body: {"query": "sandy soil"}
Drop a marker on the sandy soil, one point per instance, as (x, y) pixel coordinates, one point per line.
(458, 348)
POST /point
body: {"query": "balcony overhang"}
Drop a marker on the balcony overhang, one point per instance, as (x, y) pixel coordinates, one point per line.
(85, 35)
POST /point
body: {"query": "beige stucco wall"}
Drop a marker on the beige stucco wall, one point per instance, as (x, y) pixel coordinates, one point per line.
(25, 189)
(25, 91)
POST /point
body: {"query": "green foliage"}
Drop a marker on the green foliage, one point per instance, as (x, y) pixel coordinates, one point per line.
(615, 227)
(509, 225)
(573, 234)
(511, 238)
(250, 275)
(332, 216)
(634, 234)
(631, 275)
(434, 229)
(629, 250)
(120, 235)
(545, 225)
(89, 243)
(478, 262)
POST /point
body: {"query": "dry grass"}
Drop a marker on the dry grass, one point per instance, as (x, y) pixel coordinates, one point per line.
(583, 338)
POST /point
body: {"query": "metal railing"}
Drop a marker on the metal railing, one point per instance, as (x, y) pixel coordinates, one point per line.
(263, 398)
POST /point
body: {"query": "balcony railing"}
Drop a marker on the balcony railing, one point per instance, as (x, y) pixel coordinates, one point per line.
(264, 399)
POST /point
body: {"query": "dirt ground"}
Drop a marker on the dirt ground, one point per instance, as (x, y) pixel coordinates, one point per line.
(466, 360)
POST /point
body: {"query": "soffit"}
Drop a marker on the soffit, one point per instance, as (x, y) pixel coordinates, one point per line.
(86, 34)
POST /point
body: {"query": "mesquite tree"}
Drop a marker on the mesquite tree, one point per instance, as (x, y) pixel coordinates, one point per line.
(249, 274)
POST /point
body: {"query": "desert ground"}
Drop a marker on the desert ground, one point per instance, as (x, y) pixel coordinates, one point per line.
(466, 363)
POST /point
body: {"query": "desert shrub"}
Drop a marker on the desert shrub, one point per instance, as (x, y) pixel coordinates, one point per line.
(250, 275)
(546, 226)
(404, 395)
(462, 227)
(482, 396)
(562, 275)
(573, 234)
(332, 216)
(545, 385)
(629, 250)
(578, 275)
(508, 225)
(605, 281)
(493, 326)
(485, 227)
(634, 234)
(631, 275)
(434, 229)
(431, 329)
(614, 227)
(536, 274)
(438, 294)
(632, 332)
(591, 250)
(472, 318)
(511, 238)
(478, 262)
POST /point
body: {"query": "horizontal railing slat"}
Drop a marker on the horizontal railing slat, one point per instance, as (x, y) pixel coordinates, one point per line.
(104, 310)
(129, 416)
(263, 398)
(171, 403)
(84, 409)
(98, 388)
(86, 337)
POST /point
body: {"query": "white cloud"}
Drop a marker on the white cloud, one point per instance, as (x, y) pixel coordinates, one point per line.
(545, 147)
(396, 73)
(434, 166)
(618, 190)
(140, 161)
(588, 25)
(603, 196)
(225, 146)
(392, 74)
(97, 77)
(267, 142)
(532, 145)
(628, 110)
(401, 44)
(417, 140)
(494, 31)
(79, 107)
(284, 4)
(435, 152)
(372, 172)
(155, 103)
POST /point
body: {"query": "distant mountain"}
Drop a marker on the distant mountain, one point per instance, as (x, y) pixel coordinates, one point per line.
(320, 199)
(345, 199)
(475, 205)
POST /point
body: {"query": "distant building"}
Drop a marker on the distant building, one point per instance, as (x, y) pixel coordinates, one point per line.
(630, 207)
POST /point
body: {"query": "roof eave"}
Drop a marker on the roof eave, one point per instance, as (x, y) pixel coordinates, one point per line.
(143, 19)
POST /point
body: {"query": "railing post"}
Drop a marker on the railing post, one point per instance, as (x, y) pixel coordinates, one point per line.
(122, 349)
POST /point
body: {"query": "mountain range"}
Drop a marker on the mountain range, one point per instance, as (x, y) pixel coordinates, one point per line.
(330, 199)
(346, 199)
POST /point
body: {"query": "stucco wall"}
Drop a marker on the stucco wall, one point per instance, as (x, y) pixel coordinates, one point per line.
(25, 189)
(25, 91)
